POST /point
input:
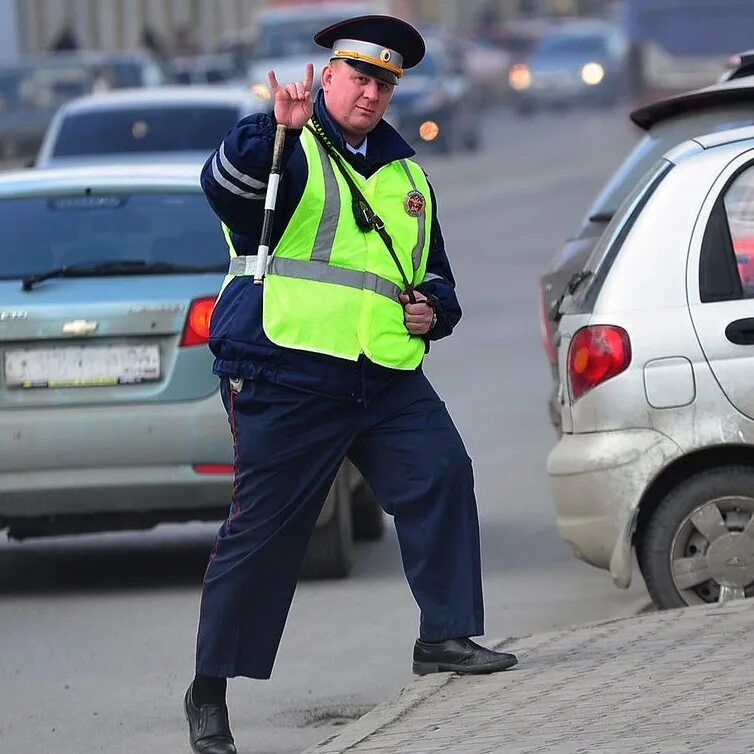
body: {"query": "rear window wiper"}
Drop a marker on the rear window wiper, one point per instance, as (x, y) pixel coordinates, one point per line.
(117, 267)
(601, 217)
(573, 283)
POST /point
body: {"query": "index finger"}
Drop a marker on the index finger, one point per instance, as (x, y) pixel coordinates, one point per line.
(274, 85)
(309, 79)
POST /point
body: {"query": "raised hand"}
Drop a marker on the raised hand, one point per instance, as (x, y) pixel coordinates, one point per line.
(293, 102)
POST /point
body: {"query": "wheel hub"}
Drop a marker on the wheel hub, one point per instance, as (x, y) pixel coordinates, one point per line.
(731, 560)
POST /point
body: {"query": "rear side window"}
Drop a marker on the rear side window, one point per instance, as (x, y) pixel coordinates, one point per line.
(726, 266)
(661, 139)
(173, 129)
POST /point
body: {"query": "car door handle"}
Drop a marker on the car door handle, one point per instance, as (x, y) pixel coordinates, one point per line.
(741, 332)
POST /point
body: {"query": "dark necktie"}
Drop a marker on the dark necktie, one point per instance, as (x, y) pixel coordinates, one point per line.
(359, 162)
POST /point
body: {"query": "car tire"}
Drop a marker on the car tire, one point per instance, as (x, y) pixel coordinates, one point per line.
(451, 135)
(682, 565)
(368, 518)
(473, 138)
(330, 553)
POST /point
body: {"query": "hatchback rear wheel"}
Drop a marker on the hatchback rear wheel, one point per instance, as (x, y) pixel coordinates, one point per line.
(698, 546)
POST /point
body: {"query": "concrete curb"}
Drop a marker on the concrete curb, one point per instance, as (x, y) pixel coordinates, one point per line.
(418, 691)
(384, 714)
(639, 606)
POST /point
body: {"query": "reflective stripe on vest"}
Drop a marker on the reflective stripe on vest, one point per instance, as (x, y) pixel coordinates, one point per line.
(296, 268)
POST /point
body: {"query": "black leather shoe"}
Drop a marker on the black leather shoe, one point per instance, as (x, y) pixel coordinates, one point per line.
(459, 656)
(209, 729)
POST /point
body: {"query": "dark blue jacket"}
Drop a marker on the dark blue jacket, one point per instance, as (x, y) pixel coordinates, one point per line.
(233, 179)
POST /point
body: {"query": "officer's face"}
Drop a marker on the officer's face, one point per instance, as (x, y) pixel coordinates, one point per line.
(356, 101)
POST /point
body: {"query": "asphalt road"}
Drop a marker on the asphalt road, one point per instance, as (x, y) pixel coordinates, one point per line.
(98, 632)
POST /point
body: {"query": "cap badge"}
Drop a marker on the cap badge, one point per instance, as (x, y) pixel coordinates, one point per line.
(415, 203)
(385, 56)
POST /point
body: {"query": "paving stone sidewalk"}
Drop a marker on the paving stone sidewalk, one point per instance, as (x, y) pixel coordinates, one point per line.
(668, 683)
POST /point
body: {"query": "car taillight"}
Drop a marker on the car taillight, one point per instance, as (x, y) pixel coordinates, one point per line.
(596, 354)
(545, 327)
(196, 331)
(213, 468)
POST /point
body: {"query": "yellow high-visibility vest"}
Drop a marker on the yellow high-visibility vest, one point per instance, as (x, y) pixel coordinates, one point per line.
(332, 288)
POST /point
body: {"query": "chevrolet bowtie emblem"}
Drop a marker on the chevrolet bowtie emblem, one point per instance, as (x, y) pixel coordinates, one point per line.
(80, 327)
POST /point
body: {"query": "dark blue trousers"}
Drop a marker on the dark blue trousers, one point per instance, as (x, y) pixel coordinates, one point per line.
(288, 448)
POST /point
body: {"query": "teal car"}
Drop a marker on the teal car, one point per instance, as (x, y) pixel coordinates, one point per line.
(110, 415)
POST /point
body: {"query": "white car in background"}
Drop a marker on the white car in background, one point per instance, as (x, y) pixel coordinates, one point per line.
(656, 358)
(176, 123)
(285, 38)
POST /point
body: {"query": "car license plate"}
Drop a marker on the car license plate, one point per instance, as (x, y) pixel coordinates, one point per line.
(81, 366)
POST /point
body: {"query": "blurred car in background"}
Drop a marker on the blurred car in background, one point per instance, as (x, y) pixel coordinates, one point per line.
(516, 38)
(487, 68)
(667, 123)
(209, 68)
(110, 416)
(657, 451)
(484, 65)
(578, 62)
(285, 38)
(32, 89)
(435, 105)
(179, 123)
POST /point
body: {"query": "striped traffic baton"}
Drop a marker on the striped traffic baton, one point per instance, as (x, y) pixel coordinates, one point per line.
(269, 204)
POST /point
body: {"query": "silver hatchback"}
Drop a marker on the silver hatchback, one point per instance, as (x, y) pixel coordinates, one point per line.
(656, 354)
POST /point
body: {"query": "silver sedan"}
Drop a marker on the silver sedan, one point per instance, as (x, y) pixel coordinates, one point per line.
(656, 355)
(110, 416)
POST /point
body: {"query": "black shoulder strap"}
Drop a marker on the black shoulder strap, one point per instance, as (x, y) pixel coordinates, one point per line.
(366, 218)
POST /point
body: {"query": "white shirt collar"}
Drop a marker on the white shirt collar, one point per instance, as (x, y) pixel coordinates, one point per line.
(361, 149)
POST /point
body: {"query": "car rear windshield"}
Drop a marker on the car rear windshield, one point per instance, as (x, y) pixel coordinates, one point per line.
(570, 44)
(38, 234)
(660, 139)
(279, 38)
(172, 129)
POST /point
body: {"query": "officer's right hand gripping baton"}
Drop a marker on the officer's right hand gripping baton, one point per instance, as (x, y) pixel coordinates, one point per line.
(269, 205)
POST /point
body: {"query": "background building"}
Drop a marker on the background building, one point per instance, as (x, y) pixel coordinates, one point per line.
(187, 26)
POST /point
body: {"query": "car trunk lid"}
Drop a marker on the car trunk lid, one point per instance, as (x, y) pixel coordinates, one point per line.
(73, 341)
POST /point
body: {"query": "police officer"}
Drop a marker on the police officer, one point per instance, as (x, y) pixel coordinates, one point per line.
(323, 362)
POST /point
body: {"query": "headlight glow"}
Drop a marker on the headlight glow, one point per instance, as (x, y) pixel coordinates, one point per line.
(519, 77)
(429, 130)
(592, 74)
(261, 90)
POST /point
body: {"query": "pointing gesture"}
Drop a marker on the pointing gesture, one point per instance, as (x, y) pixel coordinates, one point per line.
(293, 102)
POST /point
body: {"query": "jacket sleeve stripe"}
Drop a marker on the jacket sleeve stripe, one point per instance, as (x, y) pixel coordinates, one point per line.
(228, 186)
(431, 276)
(242, 178)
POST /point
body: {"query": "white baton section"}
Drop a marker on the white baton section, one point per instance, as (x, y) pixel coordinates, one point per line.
(272, 191)
(251, 265)
(261, 262)
(269, 206)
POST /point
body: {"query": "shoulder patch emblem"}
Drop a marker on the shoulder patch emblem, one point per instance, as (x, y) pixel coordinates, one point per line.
(415, 203)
